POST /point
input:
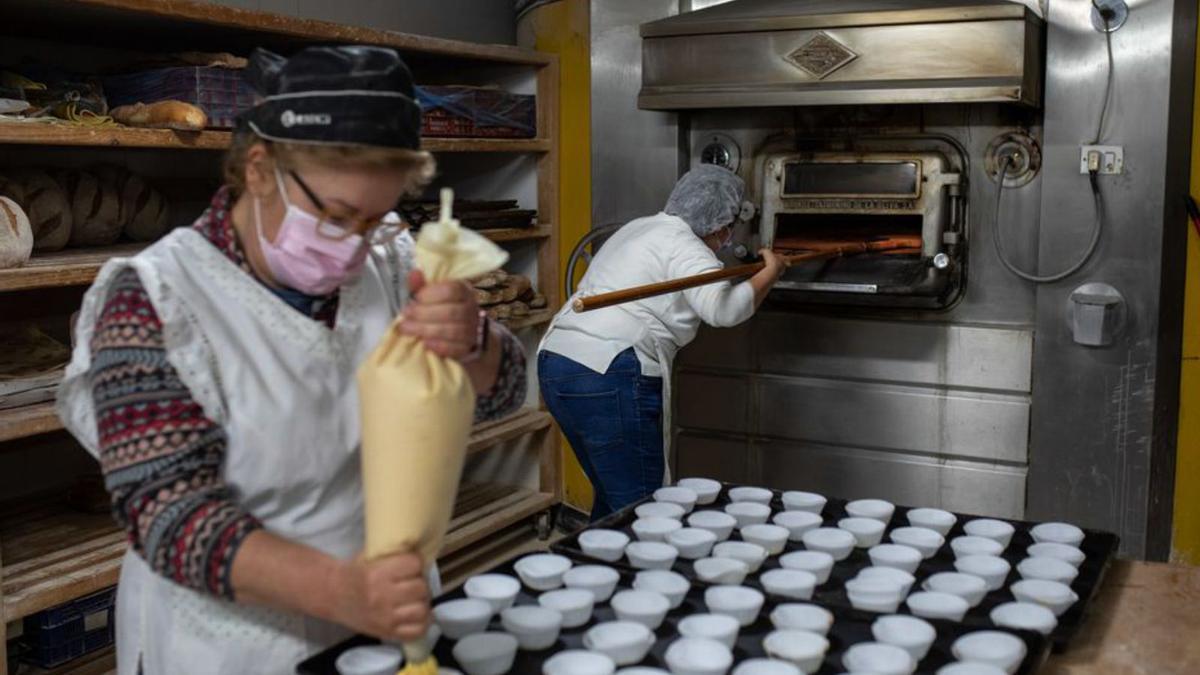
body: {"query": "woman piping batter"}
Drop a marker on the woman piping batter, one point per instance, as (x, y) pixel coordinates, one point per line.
(214, 379)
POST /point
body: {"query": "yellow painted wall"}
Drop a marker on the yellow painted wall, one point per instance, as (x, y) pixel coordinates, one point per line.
(1185, 544)
(563, 28)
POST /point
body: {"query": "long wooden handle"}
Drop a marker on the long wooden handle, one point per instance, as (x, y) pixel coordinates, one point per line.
(589, 303)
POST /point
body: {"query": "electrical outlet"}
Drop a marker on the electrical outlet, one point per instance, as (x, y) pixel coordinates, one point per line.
(1110, 158)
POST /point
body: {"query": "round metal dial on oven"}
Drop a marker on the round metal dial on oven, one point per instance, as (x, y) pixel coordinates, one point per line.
(1015, 153)
(721, 150)
(1109, 15)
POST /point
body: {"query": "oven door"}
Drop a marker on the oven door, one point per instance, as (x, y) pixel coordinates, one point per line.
(897, 203)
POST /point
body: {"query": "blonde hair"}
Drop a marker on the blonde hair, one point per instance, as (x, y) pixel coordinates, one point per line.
(417, 165)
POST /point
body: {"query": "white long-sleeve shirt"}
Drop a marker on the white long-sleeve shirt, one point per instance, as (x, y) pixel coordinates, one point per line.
(644, 251)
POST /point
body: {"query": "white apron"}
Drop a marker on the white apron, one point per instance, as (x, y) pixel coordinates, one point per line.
(282, 387)
(664, 356)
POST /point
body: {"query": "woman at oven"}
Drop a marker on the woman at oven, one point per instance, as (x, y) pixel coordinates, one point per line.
(605, 374)
(214, 379)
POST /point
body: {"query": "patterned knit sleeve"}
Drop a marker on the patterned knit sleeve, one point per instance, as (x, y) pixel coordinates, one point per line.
(161, 457)
(508, 393)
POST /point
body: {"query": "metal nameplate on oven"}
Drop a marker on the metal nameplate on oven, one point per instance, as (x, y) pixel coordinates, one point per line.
(827, 287)
(853, 204)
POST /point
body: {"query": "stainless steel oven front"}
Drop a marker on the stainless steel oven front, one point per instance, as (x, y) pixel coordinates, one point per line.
(815, 199)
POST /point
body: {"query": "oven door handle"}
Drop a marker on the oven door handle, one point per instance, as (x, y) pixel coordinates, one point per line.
(827, 287)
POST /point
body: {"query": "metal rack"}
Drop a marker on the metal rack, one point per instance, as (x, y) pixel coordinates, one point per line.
(50, 553)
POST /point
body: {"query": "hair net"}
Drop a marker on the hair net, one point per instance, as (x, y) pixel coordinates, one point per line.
(708, 198)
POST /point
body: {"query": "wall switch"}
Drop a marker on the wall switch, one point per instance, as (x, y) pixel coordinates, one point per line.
(1111, 158)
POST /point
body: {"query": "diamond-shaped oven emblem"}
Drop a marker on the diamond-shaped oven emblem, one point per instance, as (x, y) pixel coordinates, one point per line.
(821, 55)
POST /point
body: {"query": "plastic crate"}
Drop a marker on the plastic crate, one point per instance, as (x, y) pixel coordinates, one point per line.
(222, 93)
(57, 635)
(476, 112)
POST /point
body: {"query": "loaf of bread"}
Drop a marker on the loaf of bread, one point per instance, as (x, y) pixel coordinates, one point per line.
(149, 211)
(486, 282)
(515, 287)
(143, 210)
(486, 298)
(46, 205)
(95, 210)
(16, 237)
(161, 115)
(538, 301)
(113, 177)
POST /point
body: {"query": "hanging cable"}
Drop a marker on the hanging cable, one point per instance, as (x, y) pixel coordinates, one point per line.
(1097, 227)
(1106, 15)
(1097, 199)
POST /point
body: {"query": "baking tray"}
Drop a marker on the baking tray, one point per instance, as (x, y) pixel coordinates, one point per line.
(1100, 548)
(850, 627)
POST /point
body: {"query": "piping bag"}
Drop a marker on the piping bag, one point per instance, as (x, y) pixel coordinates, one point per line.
(411, 468)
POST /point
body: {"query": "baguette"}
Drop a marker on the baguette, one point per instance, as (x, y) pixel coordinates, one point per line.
(162, 115)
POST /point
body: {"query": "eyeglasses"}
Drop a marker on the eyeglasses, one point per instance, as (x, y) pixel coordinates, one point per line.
(375, 230)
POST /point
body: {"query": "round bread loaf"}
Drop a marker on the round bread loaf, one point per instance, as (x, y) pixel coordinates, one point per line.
(116, 177)
(95, 208)
(16, 237)
(45, 203)
(144, 211)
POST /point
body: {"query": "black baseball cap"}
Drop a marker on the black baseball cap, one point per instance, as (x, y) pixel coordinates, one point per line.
(339, 95)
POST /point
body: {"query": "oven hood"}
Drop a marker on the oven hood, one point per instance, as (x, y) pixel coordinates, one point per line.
(754, 53)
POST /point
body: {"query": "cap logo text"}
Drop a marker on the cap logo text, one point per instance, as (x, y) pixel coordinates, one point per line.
(290, 119)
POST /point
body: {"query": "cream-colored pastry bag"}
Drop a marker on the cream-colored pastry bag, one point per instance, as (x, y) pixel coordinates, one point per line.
(417, 410)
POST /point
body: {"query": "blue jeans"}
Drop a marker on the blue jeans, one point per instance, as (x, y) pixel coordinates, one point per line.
(613, 422)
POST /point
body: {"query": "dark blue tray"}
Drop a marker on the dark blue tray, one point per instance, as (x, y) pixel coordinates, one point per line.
(850, 627)
(1100, 548)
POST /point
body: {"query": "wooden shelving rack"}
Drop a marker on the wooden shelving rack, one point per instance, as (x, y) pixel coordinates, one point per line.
(50, 553)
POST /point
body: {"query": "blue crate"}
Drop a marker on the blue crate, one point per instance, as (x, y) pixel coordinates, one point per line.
(59, 634)
(71, 611)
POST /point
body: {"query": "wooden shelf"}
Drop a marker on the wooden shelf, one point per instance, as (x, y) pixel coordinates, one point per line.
(103, 662)
(53, 554)
(542, 231)
(484, 508)
(485, 144)
(69, 267)
(49, 133)
(29, 420)
(535, 318)
(40, 418)
(167, 25)
(62, 134)
(526, 420)
(79, 266)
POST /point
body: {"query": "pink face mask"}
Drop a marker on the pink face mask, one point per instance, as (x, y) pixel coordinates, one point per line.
(301, 258)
